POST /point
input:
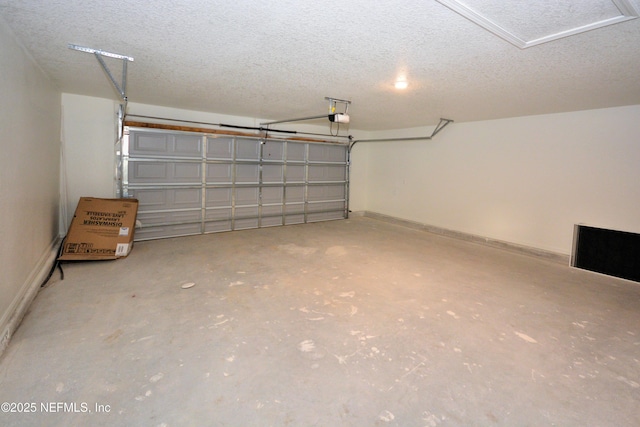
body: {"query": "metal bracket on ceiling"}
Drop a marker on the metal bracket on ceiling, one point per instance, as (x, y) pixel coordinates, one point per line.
(99, 54)
(441, 125)
(121, 88)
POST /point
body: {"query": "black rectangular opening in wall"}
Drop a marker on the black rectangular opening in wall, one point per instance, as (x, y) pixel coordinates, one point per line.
(612, 252)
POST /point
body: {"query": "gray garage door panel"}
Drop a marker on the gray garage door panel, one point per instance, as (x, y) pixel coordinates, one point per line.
(273, 150)
(220, 148)
(151, 199)
(326, 153)
(170, 217)
(221, 214)
(319, 193)
(296, 173)
(219, 173)
(247, 149)
(217, 226)
(247, 174)
(219, 197)
(164, 172)
(326, 173)
(272, 195)
(190, 183)
(161, 232)
(166, 145)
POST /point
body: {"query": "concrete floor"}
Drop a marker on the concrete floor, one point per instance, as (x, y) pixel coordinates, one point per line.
(343, 323)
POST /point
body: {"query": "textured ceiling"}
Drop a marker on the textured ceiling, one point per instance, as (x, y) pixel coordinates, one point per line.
(279, 59)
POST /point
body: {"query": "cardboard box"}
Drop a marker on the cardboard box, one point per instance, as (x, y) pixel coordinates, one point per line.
(101, 229)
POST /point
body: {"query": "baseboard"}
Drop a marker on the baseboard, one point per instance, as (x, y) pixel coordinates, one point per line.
(13, 316)
(486, 241)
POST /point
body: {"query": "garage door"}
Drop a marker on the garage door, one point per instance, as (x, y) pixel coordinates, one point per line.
(193, 183)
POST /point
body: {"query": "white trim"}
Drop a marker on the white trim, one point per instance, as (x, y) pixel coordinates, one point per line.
(485, 241)
(627, 12)
(15, 313)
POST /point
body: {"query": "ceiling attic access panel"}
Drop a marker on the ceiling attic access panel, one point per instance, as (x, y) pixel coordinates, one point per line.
(195, 183)
(526, 23)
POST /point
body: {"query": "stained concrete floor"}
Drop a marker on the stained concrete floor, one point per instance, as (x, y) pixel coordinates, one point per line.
(343, 323)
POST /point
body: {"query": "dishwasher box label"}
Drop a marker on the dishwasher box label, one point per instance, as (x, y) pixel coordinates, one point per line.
(101, 229)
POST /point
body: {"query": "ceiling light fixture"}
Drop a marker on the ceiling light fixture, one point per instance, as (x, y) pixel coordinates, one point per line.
(401, 84)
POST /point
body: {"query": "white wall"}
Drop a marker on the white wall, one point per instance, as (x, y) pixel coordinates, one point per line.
(524, 180)
(89, 137)
(29, 171)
